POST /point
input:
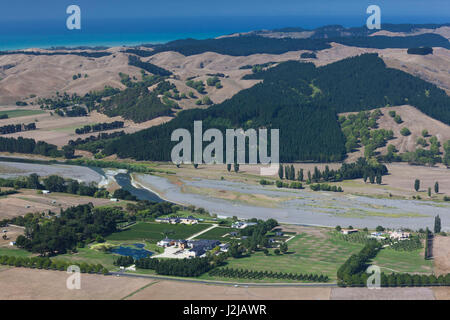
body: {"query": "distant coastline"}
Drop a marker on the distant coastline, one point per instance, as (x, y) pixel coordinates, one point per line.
(132, 32)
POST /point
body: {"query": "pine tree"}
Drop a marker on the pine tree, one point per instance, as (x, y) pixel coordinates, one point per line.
(292, 172)
(429, 191)
(436, 187)
(300, 175)
(417, 185)
(378, 179)
(286, 172)
(229, 167)
(437, 224)
(280, 171)
(316, 174)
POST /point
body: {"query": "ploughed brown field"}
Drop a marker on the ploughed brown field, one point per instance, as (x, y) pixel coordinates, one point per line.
(441, 255)
(21, 283)
(29, 201)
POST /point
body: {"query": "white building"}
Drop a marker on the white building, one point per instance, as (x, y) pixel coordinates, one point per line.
(224, 247)
(242, 224)
(189, 220)
(165, 243)
(348, 231)
(399, 235)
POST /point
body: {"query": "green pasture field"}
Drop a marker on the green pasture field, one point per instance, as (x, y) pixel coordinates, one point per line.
(153, 232)
(88, 255)
(390, 260)
(307, 254)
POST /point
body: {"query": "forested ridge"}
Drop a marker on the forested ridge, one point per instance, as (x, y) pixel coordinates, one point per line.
(303, 102)
(137, 103)
(98, 54)
(253, 44)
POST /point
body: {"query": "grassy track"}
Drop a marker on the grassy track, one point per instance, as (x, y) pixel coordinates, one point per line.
(13, 251)
(21, 113)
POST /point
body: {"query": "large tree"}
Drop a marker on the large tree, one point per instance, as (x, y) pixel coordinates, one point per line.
(437, 224)
(417, 185)
(280, 171)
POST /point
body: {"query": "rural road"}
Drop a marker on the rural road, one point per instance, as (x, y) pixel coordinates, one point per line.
(133, 275)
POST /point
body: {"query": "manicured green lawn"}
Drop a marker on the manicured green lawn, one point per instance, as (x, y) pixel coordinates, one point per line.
(20, 113)
(307, 254)
(153, 232)
(402, 261)
(89, 256)
(216, 234)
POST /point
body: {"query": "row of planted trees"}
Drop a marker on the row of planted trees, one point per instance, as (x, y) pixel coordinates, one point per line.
(258, 275)
(49, 264)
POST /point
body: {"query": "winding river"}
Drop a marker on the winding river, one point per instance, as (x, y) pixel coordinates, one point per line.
(289, 206)
(304, 207)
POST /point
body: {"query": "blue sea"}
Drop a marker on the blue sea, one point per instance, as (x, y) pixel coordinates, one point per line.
(46, 34)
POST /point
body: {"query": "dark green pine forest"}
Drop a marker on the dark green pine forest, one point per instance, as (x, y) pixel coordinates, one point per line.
(303, 102)
(252, 44)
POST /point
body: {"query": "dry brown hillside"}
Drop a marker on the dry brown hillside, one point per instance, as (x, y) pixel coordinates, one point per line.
(415, 121)
(59, 130)
(23, 75)
(44, 75)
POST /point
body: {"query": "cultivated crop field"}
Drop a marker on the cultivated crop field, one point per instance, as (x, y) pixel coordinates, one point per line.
(153, 232)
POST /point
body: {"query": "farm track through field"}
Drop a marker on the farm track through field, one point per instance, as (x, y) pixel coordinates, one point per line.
(202, 232)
